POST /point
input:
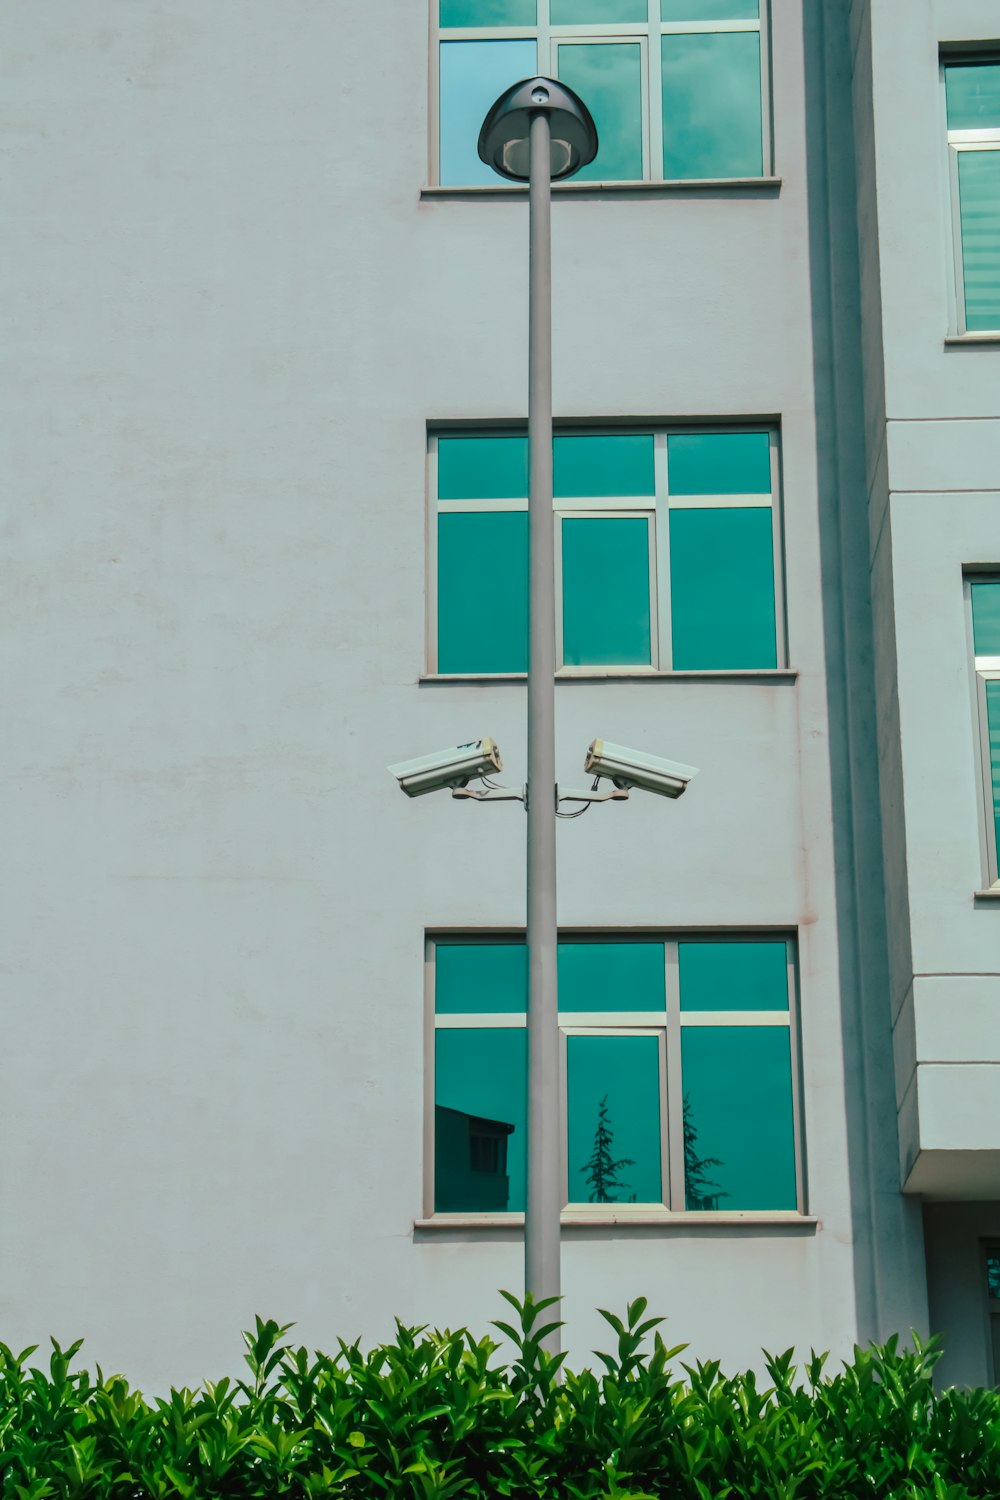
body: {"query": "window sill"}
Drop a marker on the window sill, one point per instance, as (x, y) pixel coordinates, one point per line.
(956, 340)
(992, 893)
(582, 1218)
(765, 186)
(733, 674)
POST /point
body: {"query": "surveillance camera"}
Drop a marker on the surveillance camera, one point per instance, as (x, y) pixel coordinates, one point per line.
(455, 767)
(627, 768)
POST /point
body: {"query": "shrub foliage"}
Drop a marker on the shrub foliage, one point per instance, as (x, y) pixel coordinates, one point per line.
(434, 1415)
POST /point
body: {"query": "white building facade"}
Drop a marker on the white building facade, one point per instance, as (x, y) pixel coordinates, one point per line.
(265, 1016)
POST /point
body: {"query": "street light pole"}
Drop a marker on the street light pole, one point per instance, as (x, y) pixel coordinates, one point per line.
(544, 1197)
(538, 130)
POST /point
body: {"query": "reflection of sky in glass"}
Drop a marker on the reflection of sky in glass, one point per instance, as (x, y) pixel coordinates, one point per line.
(719, 463)
(973, 96)
(986, 618)
(738, 1082)
(733, 976)
(484, 1073)
(482, 468)
(709, 10)
(602, 464)
(607, 78)
(979, 199)
(481, 979)
(473, 76)
(611, 976)
(596, 12)
(722, 588)
(605, 570)
(483, 591)
(711, 105)
(488, 12)
(626, 1069)
(993, 720)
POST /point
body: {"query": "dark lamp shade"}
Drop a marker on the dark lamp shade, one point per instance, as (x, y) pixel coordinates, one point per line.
(504, 141)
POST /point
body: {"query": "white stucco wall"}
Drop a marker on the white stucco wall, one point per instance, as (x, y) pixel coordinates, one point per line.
(232, 316)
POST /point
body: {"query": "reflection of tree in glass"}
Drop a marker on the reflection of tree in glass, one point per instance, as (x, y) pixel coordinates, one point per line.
(602, 1169)
(700, 1192)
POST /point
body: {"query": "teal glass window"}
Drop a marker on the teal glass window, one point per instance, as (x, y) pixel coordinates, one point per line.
(481, 979)
(631, 510)
(719, 463)
(722, 588)
(482, 468)
(992, 689)
(979, 210)
(480, 1120)
(712, 105)
(739, 1141)
(488, 12)
(596, 12)
(472, 75)
(721, 1102)
(985, 600)
(972, 93)
(605, 589)
(611, 976)
(986, 618)
(696, 67)
(733, 976)
(596, 464)
(608, 76)
(482, 589)
(613, 1118)
(709, 10)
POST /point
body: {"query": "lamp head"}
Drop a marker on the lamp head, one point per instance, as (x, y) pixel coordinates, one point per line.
(504, 141)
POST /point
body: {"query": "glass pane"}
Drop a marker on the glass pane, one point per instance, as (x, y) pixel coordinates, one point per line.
(611, 976)
(973, 95)
(979, 198)
(480, 1121)
(597, 12)
(719, 463)
(722, 589)
(473, 76)
(591, 464)
(711, 105)
(709, 10)
(738, 1142)
(733, 976)
(480, 978)
(605, 565)
(993, 722)
(607, 77)
(993, 1273)
(986, 618)
(614, 1119)
(482, 468)
(482, 606)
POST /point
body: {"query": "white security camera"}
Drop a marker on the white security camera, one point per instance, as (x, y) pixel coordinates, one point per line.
(627, 768)
(454, 767)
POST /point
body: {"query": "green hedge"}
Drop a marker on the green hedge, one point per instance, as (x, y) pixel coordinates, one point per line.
(435, 1415)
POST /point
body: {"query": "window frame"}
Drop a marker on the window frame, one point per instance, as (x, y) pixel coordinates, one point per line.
(666, 1025)
(648, 33)
(654, 508)
(985, 669)
(956, 142)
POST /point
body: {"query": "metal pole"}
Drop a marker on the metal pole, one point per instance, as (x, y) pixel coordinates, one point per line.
(544, 1201)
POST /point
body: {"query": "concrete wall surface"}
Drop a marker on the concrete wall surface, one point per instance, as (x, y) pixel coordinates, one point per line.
(232, 315)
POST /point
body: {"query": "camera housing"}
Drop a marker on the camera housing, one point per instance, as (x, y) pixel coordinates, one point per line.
(454, 767)
(634, 768)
